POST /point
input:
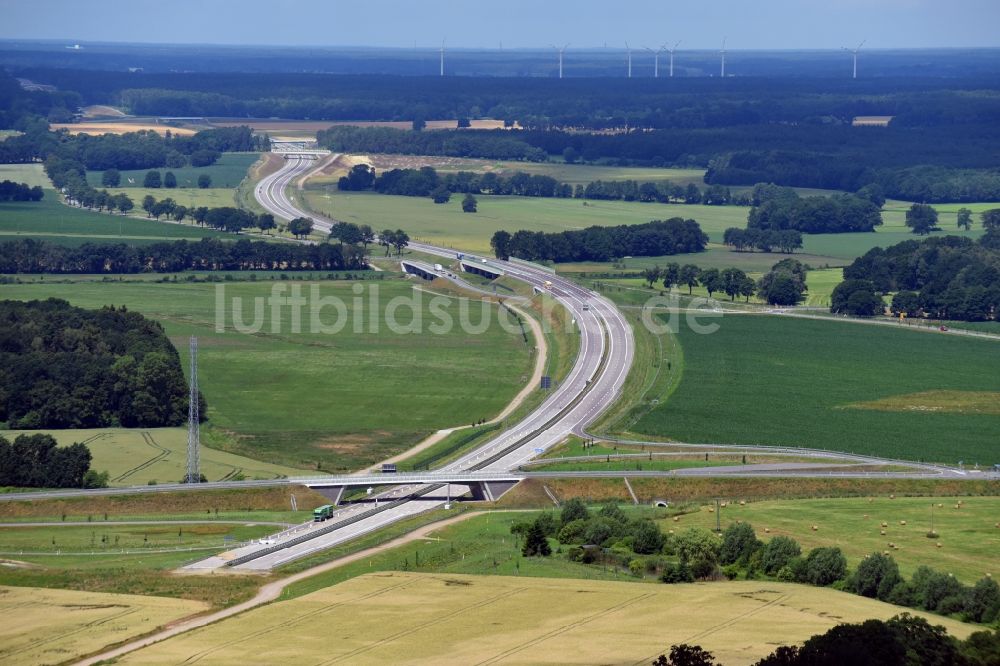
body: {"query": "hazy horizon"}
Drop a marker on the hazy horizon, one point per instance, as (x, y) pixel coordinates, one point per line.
(768, 25)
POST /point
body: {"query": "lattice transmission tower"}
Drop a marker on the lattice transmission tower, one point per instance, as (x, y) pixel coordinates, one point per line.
(194, 432)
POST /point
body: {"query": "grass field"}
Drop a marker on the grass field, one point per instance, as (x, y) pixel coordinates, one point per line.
(447, 225)
(821, 284)
(969, 539)
(192, 197)
(135, 457)
(736, 389)
(444, 619)
(226, 173)
(337, 402)
(57, 543)
(52, 221)
(59, 626)
(30, 174)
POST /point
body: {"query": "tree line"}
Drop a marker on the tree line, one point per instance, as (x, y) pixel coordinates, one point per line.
(208, 254)
(655, 238)
(943, 278)
(66, 367)
(35, 461)
(784, 284)
(12, 191)
(426, 181)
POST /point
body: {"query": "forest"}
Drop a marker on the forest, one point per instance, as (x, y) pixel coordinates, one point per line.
(208, 254)
(66, 367)
(653, 239)
(946, 277)
(936, 163)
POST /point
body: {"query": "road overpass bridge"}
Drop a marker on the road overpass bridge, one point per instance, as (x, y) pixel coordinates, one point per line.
(481, 267)
(420, 269)
(483, 485)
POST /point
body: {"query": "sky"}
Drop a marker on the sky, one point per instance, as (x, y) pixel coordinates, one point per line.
(747, 24)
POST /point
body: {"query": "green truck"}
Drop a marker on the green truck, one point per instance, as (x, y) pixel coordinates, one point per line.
(322, 513)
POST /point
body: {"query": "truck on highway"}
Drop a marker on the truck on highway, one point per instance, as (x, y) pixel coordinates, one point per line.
(438, 267)
(322, 513)
(548, 284)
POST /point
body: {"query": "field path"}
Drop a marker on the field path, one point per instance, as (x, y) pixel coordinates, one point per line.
(271, 591)
(536, 378)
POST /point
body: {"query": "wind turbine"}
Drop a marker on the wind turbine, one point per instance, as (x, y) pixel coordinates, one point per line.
(442, 57)
(656, 60)
(723, 52)
(854, 52)
(561, 50)
(628, 49)
(671, 52)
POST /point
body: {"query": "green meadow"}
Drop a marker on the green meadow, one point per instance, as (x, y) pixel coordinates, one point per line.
(314, 400)
(834, 385)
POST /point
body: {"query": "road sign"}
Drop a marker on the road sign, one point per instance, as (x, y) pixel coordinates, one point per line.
(546, 382)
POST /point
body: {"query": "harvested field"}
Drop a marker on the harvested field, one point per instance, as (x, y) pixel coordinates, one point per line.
(54, 626)
(451, 618)
(122, 127)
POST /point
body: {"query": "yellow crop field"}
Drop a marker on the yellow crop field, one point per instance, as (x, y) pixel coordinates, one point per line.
(398, 617)
(42, 626)
(122, 127)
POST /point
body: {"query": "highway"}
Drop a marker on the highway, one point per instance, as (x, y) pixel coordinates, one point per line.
(602, 364)
(594, 383)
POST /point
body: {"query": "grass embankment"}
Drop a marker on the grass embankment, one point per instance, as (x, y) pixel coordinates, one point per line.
(531, 493)
(318, 400)
(238, 504)
(562, 346)
(738, 389)
(86, 555)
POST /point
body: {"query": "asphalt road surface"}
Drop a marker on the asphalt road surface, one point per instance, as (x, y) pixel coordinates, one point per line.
(603, 362)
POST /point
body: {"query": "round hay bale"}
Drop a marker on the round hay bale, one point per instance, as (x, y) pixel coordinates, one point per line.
(815, 528)
(711, 509)
(743, 502)
(767, 530)
(677, 519)
(882, 532)
(866, 516)
(892, 497)
(902, 522)
(885, 524)
(938, 544)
